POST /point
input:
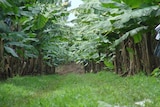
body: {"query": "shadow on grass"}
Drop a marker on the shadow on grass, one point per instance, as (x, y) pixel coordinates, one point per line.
(34, 83)
(15, 90)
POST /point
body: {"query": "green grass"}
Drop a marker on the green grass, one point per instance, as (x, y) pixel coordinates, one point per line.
(74, 90)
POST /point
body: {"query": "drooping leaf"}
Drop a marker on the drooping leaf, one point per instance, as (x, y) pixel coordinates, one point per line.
(10, 51)
(19, 44)
(127, 34)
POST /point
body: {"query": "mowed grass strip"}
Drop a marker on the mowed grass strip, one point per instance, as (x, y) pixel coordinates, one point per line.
(80, 90)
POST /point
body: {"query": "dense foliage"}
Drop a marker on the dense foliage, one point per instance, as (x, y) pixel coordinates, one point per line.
(117, 31)
(119, 34)
(33, 35)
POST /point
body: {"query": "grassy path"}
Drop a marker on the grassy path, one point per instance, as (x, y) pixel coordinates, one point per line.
(85, 90)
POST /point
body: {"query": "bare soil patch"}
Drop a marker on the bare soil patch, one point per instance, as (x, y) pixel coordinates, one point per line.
(70, 68)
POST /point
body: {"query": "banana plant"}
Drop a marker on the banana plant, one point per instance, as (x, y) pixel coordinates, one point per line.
(125, 25)
(28, 31)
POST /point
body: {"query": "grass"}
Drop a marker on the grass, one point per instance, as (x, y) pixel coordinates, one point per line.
(75, 90)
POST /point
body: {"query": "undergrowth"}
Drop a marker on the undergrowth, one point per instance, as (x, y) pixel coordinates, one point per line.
(79, 90)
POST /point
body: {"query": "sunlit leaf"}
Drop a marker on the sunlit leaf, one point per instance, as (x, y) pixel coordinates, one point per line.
(129, 33)
(109, 64)
(137, 38)
(40, 22)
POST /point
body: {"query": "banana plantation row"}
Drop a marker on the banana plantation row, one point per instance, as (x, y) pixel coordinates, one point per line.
(35, 36)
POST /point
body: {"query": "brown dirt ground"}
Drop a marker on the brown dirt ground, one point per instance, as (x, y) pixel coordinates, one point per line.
(70, 68)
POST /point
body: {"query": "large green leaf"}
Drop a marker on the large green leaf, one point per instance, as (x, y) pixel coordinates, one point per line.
(112, 4)
(127, 34)
(5, 3)
(3, 27)
(19, 44)
(10, 51)
(30, 39)
(40, 22)
(108, 63)
(130, 3)
(138, 3)
(137, 38)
